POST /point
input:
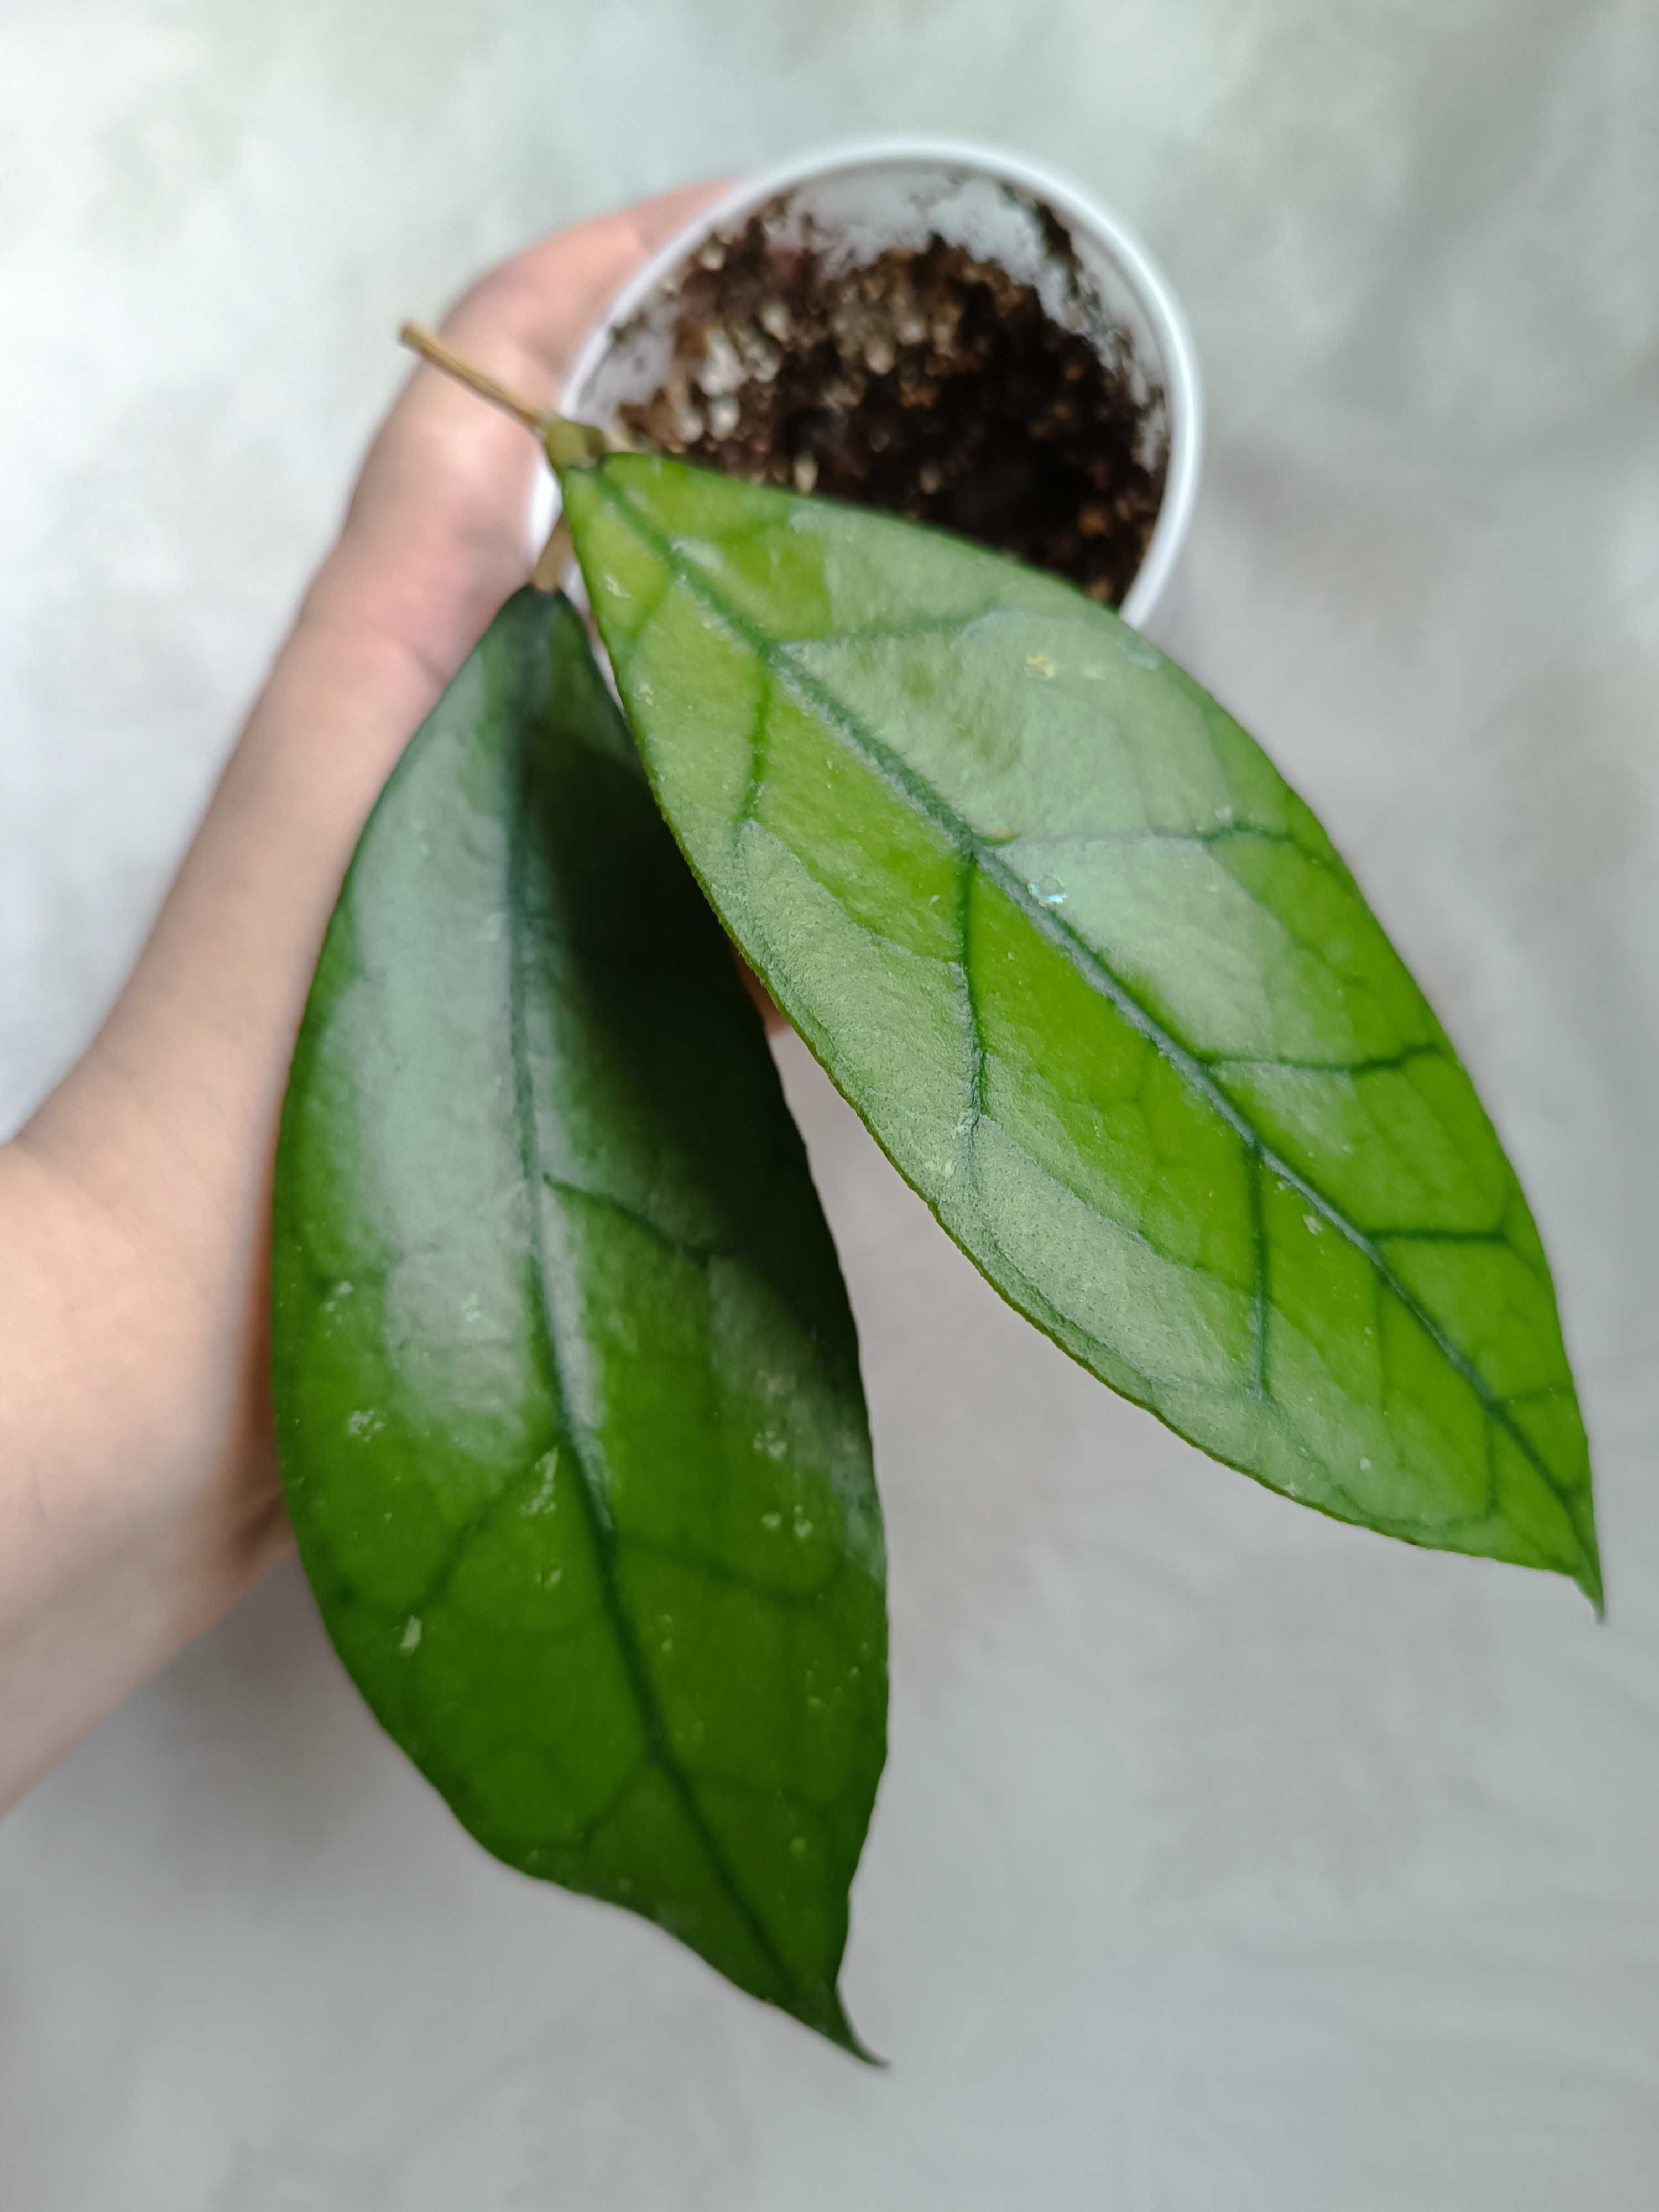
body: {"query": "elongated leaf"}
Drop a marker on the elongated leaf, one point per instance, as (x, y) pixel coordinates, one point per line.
(1103, 991)
(567, 1386)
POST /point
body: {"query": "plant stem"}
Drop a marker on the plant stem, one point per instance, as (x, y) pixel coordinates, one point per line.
(570, 445)
(432, 348)
(557, 554)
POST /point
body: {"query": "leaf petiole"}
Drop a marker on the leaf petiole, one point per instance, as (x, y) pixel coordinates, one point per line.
(569, 445)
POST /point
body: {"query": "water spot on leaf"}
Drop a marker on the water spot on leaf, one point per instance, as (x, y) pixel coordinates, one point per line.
(542, 1500)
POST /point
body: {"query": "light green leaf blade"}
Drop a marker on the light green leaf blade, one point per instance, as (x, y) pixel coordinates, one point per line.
(1105, 993)
(567, 1385)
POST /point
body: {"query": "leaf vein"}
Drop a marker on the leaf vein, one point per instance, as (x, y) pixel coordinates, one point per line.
(602, 1529)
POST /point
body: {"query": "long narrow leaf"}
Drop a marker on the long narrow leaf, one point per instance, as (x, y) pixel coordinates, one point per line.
(566, 1382)
(1102, 989)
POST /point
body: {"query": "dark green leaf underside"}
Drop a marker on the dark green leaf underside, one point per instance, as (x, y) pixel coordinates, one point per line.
(567, 1384)
(1104, 992)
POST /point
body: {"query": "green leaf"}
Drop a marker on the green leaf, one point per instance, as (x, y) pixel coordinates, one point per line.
(567, 1386)
(1106, 995)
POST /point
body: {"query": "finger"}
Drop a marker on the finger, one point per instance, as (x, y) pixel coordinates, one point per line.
(524, 304)
(434, 537)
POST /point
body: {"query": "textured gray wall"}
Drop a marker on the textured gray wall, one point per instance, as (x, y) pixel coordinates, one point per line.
(1227, 1858)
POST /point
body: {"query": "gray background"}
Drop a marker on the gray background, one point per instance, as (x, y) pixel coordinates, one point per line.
(1227, 1858)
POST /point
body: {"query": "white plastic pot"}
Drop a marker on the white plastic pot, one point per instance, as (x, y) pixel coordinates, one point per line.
(861, 198)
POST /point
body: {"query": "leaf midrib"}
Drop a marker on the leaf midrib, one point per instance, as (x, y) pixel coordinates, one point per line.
(976, 852)
(596, 1512)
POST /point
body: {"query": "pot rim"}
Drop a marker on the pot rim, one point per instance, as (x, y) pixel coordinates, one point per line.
(1140, 273)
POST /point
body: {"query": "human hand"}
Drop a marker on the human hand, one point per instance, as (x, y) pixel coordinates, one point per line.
(138, 1488)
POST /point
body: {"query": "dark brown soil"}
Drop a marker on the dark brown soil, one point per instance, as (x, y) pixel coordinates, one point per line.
(929, 384)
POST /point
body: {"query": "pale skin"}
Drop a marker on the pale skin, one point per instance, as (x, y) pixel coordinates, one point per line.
(139, 1495)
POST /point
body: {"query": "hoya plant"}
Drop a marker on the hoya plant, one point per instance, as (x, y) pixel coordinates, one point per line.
(566, 1380)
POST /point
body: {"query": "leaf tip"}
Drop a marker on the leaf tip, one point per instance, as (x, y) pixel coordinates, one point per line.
(1588, 1579)
(826, 2014)
(848, 2039)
